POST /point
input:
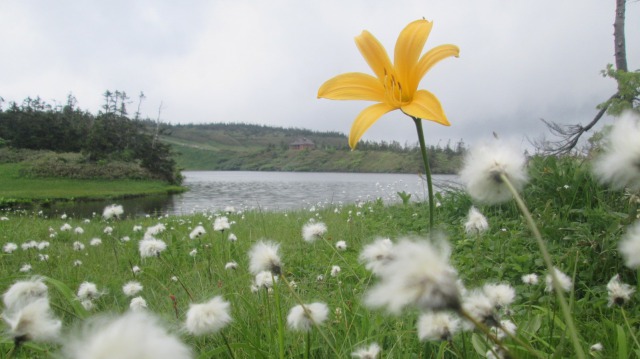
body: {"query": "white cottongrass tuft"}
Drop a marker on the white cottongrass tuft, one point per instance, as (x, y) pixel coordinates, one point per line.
(629, 246)
(193, 252)
(597, 347)
(232, 237)
(221, 224)
(33, 322)
(619, 292)
(478, 306)
(65, 227)
(131, 288)
(530, 279)
(313, 230)
(23, 292)
(265, 279)
(88, 291)
(370, 352)
(9, 247)
(335, 270)
(95, 242)
(341, 245)
(112, 211)
(136, 270)
(197, 232)
(437, 326)
(138, 304)
(263, 256)
(506, 328)
(377, 254)
(419, 275)
(231, 265)
(137, 228)
(107, 230)
(501, 295)
(151, 247)
(25, 268)
(484, 165)
(565, 281)
(78, 246)
(209, 317)
(134, 335)
(78, 230)
(153, 230)
(476, 222)
(301, 320)
(619, 165)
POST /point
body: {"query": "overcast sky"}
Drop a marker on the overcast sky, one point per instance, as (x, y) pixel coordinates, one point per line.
(262, 61)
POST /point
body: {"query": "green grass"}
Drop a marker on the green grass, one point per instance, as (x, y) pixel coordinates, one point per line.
(13, 186)
(581, 221)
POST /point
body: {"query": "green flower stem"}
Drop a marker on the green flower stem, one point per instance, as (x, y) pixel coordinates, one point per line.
(626, 321)
(427, 169)
(226, 343)
(566, 311)
(276, 292)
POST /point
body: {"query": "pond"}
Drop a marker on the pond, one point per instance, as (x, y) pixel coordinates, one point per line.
(243, 190)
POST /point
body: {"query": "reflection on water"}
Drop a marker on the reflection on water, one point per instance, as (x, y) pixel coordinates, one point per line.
(215, 190)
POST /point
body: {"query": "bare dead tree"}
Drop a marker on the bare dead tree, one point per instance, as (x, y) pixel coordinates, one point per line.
(569, 135)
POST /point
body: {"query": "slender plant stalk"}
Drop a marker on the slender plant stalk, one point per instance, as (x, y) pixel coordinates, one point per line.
(307, 353)
(626, 321)
(484, 329)
(427, 169)
(566, 312)
(276, 292)
(226, 342)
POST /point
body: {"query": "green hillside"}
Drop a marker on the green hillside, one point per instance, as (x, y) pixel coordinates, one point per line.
(263, 148)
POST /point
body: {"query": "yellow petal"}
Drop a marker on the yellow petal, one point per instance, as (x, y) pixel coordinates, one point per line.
(352, 86)
(432, 57)
(426, 106)
(365, 119)
(375, 54)
(408, 49)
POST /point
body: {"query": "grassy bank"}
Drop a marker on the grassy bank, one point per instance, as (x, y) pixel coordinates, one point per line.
(16, 188)
(581, 221)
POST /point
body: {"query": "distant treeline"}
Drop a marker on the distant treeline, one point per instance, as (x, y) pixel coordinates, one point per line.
(110, 135)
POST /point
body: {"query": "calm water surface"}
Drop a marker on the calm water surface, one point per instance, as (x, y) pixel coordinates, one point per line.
(216, 190)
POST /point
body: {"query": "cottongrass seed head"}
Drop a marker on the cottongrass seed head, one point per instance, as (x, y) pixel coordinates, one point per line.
(476, 222)
(629, 246)
(619, 292)
(437, 326)
(419, 275)
(370, 352)
(33, 322)
(131, 288)
(313, 230)
(341, 245)
(263, 256)
(138, 304)
(530, 279)
(23, 292)
(209, 317)
(478, 306)
(197, 232)
(483, 167)
(112, 211)
(265, 279)
(220, 224)
(501, 295)
(619, 165)
(377, 254)
(151, 247)
(566, 283)
(302, 320)
(134, 335)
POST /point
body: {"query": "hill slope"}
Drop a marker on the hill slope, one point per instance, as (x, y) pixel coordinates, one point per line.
(263, 148)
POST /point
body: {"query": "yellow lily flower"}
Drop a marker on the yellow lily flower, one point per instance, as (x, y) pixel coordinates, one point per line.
(394, 86)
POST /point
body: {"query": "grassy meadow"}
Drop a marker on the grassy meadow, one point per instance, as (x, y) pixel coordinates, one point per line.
(581, 221)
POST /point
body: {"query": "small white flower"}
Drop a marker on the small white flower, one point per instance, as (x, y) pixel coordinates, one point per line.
(530, 279)
(24, 292)
(138, 304)
(137, 228)
(565, 281)
(125, 239)
(77, 263)
(370, 352)
(232, 237)
(197, 232)
(34, 321)
(136, 334)
(483, 167)
(476, 222)
(151, 247)
(65, 227)
(43, 245)
(618, 165)
(231, 265)
(63, 216)
(95, 242)
(313, 230)
(619, 293)
(108, 230)
(265, 279)
(300, 319)
(335, 270)
(341, 245)
(28, 245)
(437, 326)
(136, 270)
(87, 304)
(43, 257)
(597, 347)
(3, 218)
(319, 278)
(131, 288)
(480, 307)
(209, 317)
(78, 230)
(507, 327)
(154, 230)
(86, 220)
(25, 268)
(174, 278)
